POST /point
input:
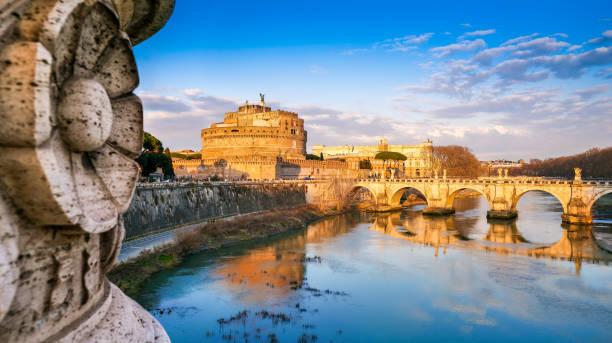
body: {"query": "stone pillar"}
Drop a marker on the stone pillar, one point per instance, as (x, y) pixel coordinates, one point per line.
(501, 206)
(71, 128)
(437, 199)
(577, 211)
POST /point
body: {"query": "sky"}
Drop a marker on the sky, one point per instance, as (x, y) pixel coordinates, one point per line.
(508, 79)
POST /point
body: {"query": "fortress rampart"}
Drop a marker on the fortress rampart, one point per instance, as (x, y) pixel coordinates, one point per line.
(242, 168)
(255, 131)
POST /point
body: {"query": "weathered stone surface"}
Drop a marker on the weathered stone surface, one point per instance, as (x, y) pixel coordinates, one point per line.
(71, 128)
(127, 132)
(118, 73)
(160, 207)
(118, 173)
(85, 114)
(25, 69)
(9, 251)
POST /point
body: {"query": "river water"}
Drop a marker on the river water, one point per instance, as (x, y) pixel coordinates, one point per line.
(400, 277)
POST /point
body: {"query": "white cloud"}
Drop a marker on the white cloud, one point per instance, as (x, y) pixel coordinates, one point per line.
(351, 52)
(605, 38)
(519, 39)
(605, 73)
(192, 91)
(402, 44)
(524, 59)
(477, 33)
(465, 45)
(587, 94)
(157, 102)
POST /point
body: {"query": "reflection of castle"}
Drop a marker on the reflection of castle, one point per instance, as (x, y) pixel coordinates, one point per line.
(503, 238)
(270, 272)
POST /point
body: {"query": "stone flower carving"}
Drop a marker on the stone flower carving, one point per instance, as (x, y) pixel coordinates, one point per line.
(68, 159)
(70, 128)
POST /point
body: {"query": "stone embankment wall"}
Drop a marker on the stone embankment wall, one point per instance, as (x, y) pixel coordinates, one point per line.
(158, 207)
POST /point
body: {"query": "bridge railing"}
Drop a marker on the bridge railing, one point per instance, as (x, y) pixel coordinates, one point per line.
(487, 180)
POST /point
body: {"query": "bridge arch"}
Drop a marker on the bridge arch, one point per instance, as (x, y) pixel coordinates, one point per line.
(397, 194)
(597, 197)
(357, 188)
(520, 194)
(453, 194)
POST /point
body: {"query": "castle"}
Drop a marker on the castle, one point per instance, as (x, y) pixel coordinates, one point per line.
(256, 142)
(255, 132)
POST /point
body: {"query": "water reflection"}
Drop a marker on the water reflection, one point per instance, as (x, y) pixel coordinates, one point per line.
(397, 277)
(272, 271)
(503, 237)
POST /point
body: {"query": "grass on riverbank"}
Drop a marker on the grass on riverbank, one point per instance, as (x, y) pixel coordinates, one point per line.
(131, 274)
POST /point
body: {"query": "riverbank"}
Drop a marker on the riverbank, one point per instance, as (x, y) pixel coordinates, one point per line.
(131, 274)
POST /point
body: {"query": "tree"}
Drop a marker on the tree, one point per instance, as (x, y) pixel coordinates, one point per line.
(150, 161)
(312, 157)
(457, 160)
(593, 162)
(390, 155)
(152, 144)
(365, 164)
(153, 158)
(196, 156)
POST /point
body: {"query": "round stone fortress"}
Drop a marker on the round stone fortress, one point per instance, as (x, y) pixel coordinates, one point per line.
(255, 131)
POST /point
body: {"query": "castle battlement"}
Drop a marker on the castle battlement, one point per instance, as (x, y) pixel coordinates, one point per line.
(255, 130)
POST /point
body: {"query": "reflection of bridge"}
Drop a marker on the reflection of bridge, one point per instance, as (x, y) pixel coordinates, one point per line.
(503, 193)
(502, 238)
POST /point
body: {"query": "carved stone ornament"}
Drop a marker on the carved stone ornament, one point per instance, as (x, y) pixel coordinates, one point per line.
(577, 174)
(70, 130)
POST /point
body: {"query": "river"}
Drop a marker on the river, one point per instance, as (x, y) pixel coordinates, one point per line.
(400, 277)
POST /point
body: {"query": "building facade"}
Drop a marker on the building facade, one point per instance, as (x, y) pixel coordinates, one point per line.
(255, 132)
(419, 162)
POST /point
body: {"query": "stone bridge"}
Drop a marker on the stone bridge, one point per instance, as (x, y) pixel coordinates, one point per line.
(577, 196)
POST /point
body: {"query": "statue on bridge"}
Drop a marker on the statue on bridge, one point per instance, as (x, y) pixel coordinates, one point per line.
(577, 174)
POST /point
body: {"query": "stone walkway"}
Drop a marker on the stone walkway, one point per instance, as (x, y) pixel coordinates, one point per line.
(133, 248)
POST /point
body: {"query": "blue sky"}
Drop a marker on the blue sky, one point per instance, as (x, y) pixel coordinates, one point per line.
(514, 80)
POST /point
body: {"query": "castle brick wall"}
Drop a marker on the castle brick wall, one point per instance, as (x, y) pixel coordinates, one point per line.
(263, 168)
